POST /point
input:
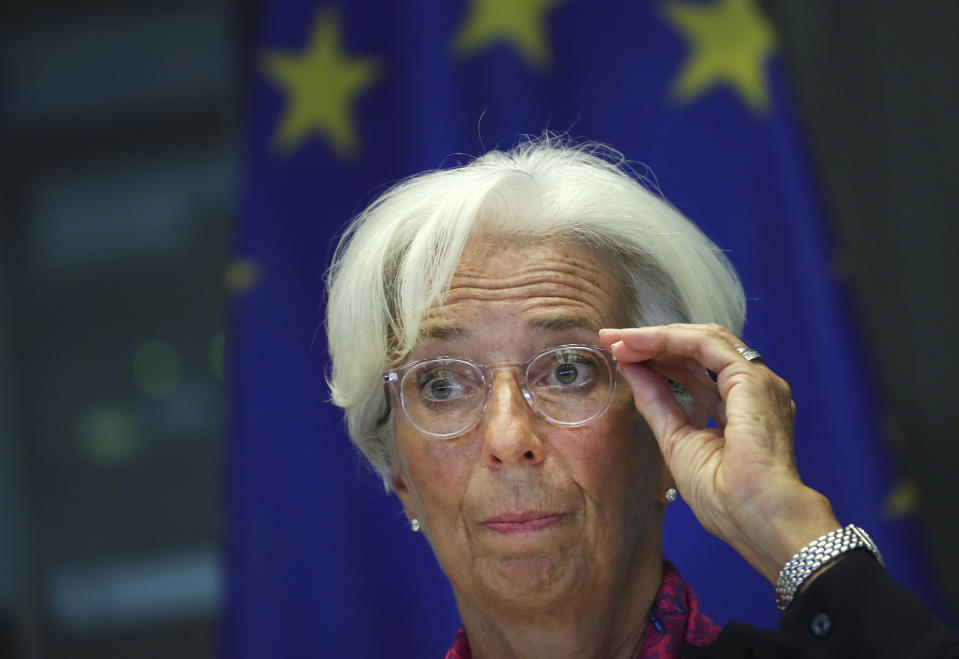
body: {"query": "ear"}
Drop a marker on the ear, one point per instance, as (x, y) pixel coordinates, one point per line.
(404, 493)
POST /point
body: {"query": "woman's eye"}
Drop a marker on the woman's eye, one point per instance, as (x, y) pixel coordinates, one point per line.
(572, 373)
(439, 387)
(566, 373)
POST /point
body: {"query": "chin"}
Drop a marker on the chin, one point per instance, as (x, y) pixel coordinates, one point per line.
(528, 582)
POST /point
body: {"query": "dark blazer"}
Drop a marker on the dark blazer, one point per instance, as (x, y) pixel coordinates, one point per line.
(855, 609)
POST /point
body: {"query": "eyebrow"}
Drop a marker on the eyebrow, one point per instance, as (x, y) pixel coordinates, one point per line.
(442, 332)
(562, 323)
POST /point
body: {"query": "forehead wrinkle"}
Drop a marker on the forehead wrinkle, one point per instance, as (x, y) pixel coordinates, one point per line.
(560, 270)
(546, 284)
(547, 298)
(549, 320)
(532, 297)
(544, 302)
(565, 282)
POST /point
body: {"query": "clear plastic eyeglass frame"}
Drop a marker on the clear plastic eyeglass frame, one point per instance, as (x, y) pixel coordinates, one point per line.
(398, 381)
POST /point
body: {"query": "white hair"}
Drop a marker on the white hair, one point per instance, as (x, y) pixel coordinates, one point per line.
(397, 257)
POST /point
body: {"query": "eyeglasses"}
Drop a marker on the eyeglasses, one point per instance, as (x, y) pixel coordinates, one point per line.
(569, 385)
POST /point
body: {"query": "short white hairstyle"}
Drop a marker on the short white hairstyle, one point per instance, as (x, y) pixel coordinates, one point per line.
(397, 257)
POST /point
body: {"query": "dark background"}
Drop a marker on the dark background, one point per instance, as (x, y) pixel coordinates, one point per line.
(119, 148)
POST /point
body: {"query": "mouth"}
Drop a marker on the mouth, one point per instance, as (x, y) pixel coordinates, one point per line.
(526, 522)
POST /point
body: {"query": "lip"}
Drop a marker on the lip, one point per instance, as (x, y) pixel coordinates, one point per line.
(525, 522)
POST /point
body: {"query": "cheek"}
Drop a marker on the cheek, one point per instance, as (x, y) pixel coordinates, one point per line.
(618, 460)
(437, 473)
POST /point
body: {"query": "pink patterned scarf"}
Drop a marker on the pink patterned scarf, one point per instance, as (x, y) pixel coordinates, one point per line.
(675, 618)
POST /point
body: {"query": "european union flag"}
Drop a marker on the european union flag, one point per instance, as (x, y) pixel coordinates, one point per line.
(349, 96)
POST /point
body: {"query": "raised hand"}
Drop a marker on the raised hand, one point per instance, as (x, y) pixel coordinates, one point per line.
(740, 477)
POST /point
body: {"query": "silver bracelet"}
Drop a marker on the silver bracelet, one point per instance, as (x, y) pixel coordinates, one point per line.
(816, 554)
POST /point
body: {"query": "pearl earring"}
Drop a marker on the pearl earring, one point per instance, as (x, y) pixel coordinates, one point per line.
(415, 525)
(671, 495)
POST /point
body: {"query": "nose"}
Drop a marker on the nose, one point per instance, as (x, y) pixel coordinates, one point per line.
(510, 428)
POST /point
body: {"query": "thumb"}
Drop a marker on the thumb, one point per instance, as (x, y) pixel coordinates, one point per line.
(655, 401)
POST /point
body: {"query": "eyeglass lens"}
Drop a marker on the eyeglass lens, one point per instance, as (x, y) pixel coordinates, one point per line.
(569, 385)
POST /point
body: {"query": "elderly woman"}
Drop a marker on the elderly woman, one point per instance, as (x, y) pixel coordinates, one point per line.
(527, 349)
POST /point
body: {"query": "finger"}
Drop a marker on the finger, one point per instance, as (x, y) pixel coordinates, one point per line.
(695, 380)
(656, 403)
(711, 346)
(609, 336)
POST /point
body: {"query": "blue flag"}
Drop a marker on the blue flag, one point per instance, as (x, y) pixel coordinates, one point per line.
(348, 97)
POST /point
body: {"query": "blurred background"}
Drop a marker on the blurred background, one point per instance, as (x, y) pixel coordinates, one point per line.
(123, 135)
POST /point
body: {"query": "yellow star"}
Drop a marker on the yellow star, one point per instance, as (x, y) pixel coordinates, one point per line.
(321, 84)
(520, 23)
(241, 275)
(730, 40)
(904, 500)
